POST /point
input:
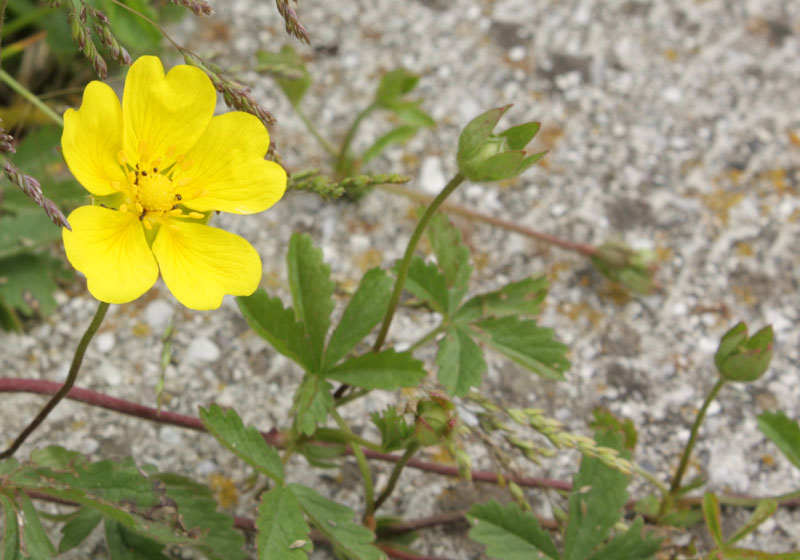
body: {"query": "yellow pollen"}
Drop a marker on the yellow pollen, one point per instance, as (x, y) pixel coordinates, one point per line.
(139, 207)
(196, 215)
(176, 212)
(147, 224)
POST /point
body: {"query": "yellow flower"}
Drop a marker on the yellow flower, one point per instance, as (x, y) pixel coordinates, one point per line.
(160, 163)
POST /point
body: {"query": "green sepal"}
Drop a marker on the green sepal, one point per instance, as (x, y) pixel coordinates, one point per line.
(740, 358)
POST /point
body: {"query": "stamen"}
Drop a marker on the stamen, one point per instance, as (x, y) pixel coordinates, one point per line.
(176, 212)
(122, 158)
(147, 225)
(139, 208)
(123, 207)
(196, 215)
(156, 162)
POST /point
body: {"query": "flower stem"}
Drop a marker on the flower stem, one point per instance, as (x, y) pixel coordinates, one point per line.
(348, 139)
(363, 466)
(65, 388)
(582, 248)
(398, 468)
(405, 264)
(427, 338)
(687, 452)
(30, 96)
(327, 146)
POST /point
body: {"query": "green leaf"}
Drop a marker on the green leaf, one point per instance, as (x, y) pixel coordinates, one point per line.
(267, 317)
(282, 530)
(19, 233)
(246, 443)
(33, 275)
(428, 284)
(80, 525)
(312, 401)
(312, 290)
(518, 136)
(460, 361)
(452, 256)
(783, 432)
(395, 84)
(509, 533)
(10, 543)
(387, 370)
(596, 502)
(526, 343)
(335, 521)
(605, 421)
(524, 297)
(198, 514)
(34, 538)
(630, 545)
(365, 310)
(135, 33)
(395, 431)
(124, 544)
(397, 135)
(764, 510)
(410, 113)
(290, 71)
(712, 516)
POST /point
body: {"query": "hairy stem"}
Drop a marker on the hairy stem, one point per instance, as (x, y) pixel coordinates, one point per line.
(398, 468)
(77, 359)
(405, 264)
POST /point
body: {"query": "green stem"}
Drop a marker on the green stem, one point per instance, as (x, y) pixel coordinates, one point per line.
(651, 479)
(327, 146)
(405, 264)
(687, 452)
(363, 466)
(341, 436)
(398, 468)
(27, 94)
(348, 139)
(357, 394)
(65, 388)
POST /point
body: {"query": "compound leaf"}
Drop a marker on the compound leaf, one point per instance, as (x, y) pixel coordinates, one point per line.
(509, 533)
(428, 284)
(783, 432)
(517, 298)
(312, 401)
(460, 361)
(387, 370)
(630, 545)
(282, 530)
(79, 526)
(452, 256)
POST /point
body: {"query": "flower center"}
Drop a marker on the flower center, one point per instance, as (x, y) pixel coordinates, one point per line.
(154, 191)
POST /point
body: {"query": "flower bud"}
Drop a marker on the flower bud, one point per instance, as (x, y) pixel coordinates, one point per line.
(435, 420)
(619, 263)
(483, 156)
(740, 358)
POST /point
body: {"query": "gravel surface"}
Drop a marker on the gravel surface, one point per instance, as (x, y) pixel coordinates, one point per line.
(672, 125)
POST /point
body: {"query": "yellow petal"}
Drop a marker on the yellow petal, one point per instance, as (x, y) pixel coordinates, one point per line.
(92, 138)
(200, 263)
(164, 114)
(109, 247)
(229, 172)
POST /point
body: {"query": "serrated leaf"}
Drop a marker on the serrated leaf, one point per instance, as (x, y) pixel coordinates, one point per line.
(312, 291)
(509, 533)
(630, 545)
(517, 298)
(712, 515)
(282, 530)
(10, 530)
(428, 284)
(460, 361)
(397, 135)
(198, 511)
(312, 401)
(452, 256)
(34, 540)
(290, 72)
(124, 544)
(79, 526)
(320, 455)
(335, 521)
(387, 370)
(365, 310)
(764, 510)
(395, 84)
(596, 501)
(395, 431)
(519, 136)
(605, 421)
(526, 343)
(783, 432)
(268, 318)
(244, 442)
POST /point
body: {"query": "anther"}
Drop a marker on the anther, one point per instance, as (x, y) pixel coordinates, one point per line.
(196, 215)
(139, 208)
(147, 224)
(123, 208)
(178, 197)
(122, 158)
